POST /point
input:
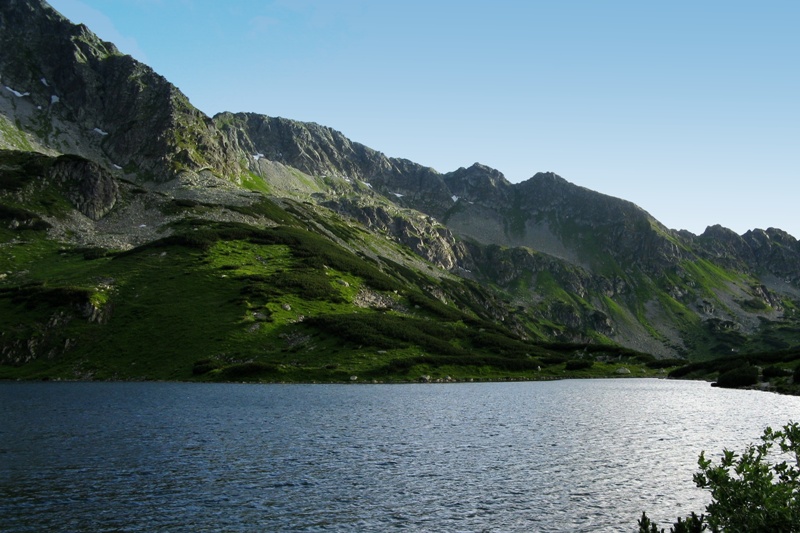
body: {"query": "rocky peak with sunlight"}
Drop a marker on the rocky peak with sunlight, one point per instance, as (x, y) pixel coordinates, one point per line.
(104, 162)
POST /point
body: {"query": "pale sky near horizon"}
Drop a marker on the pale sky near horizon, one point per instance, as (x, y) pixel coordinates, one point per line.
(690, 109)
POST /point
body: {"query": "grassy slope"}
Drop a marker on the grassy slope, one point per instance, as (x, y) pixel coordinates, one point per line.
(229, 301)
(666, 307)
(232, 302)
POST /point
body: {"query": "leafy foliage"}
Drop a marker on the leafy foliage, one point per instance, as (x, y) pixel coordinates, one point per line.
(249, 370)
(388, 331)
(268, 209)
(749, 493)
(692, 524)
(742, 376)
(34, 295)
(434, 306)
(204, 366)
(579, 364)
(665, 363)
(772, 363)
(306, 283)
(775, 372)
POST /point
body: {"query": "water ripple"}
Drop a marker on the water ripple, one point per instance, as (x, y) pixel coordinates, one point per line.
(557, 456)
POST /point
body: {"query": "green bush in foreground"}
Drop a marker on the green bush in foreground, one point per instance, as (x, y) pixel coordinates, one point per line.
(749, 493)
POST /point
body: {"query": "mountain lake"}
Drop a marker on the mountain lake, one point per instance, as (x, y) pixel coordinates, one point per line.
(573, 455)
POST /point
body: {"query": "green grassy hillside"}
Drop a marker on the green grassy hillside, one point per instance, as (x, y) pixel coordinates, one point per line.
(231, 301)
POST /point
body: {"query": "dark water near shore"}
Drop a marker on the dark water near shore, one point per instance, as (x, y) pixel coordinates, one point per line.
(548, 456)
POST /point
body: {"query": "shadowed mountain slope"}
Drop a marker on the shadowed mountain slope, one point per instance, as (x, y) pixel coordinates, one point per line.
(132, 223)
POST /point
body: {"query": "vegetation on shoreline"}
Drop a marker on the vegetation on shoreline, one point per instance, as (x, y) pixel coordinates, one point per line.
(757, 491)
(777, 371)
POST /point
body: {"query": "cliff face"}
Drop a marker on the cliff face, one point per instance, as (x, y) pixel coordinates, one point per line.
(89, 187)
(545, 213)
(593, 265)
(78, 94)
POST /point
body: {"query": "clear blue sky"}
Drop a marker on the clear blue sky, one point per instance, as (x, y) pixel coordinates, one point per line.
(690, 109)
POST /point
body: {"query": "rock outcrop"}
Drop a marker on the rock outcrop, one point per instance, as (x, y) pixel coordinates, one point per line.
(545, 255)
(82, 96)
(90, 188)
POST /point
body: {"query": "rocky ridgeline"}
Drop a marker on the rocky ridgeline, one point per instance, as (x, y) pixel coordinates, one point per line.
(593, 246)
(585, 264)
(79, 94)
(134, 119)
(480, 203)
(421, 233)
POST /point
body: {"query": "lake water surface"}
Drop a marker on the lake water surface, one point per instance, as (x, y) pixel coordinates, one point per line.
(536, 456)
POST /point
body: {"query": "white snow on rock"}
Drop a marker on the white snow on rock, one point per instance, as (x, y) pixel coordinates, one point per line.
(101, 132)
(44, 82)
(116, 166)
(258, 156)
(455, 198)
(17, 93)
(54, 99)
(367, 184)
(397, 194)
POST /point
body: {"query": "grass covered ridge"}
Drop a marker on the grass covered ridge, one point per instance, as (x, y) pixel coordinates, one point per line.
(225, 301)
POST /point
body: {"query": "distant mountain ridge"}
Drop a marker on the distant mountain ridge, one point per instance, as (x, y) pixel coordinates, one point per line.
(129, 160)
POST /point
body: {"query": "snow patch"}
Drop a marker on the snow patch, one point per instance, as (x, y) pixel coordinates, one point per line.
(17, 93)
(116, 166)
(101, 132)
(455, 198)
(367, 184)
(398, 194)
(44, 82)
(54, 99)
(258, 156)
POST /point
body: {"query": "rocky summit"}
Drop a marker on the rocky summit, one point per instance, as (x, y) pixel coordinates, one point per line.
(140, 239)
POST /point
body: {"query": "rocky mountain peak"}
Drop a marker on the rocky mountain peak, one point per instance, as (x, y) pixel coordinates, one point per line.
(782, 237)
(568, 260)
(757, 238)
(314, 149)
(78, 94)
(325, 152)
(551, 177)
(721, 233)
(478, 183)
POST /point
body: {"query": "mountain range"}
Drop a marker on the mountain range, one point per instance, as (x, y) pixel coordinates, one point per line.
(141, 239)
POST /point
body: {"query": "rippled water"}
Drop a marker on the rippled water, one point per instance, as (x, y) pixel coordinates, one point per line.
(548, 456)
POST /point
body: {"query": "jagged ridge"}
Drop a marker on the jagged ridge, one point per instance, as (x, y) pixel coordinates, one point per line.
(566, 263)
